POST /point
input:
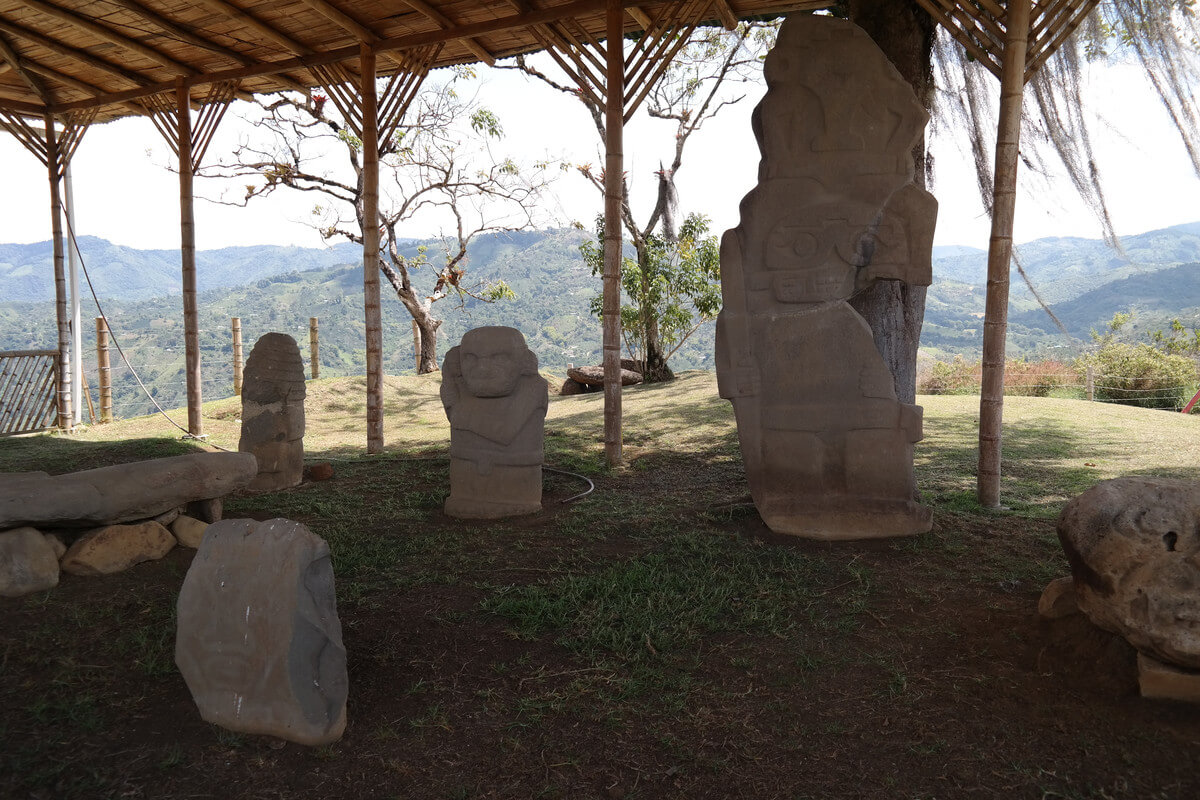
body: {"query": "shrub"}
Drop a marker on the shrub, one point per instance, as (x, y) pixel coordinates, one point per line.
(1141, 375)
(1031, 378)
(951, 377)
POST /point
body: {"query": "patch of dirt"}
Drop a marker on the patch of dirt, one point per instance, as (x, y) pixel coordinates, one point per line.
(945, 684)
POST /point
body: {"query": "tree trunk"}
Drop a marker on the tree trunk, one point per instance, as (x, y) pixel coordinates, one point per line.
(654, 362)
(428, 328)
(896, 310)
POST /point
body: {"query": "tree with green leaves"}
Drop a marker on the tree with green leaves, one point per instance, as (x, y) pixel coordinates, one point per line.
(438, 166)
(701, 81)
(673, 287)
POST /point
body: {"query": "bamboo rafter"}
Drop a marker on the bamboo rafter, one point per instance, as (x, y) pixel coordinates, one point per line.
(583, 56)
(74, 126)
(163, 111)
(394, 98)
(980, 27)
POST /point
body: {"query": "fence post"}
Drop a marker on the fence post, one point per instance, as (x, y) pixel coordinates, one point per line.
(104, 370)
(237, 356)
(313, 348)
(1091, 383)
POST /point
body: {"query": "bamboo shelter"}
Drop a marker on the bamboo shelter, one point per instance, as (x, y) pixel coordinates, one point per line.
(66, 64)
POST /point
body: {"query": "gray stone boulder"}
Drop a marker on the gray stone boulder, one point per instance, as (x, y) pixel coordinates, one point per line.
(259, 642)
(1134, 549)
(594, 376)
(273, 392)
(116, 548)
(120, 493)
(27, 562)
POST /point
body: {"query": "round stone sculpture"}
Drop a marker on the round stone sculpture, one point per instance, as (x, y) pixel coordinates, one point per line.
(1134, 549)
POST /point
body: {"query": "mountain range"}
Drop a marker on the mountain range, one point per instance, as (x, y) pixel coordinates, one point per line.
(1155, 274)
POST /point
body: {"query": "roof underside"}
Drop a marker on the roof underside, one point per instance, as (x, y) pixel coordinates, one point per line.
(60, 56)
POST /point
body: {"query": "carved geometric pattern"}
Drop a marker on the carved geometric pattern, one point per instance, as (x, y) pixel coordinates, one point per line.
(980, 27)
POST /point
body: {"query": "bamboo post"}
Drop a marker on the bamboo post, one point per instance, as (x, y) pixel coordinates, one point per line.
(73, 259)
(370, 216)
(62, 382)
(314, 348)
(237, 355)
(613, 168)
(1091, 382)
(417, 347)
(104, 370)
(995, 326)
(187, 248)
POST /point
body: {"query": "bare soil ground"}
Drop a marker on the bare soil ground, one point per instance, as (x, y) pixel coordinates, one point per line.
(652, 640)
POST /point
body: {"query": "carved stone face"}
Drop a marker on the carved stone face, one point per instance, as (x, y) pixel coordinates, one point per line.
(492, 361)
(1134, 548)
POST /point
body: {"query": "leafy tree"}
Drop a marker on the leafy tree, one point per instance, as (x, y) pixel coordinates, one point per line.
(673, 287)
(437, 165)
(693, 89)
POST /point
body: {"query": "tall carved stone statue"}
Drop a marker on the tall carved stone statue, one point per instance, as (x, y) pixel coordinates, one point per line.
(496, 402)
(273, 393)
(826, 444)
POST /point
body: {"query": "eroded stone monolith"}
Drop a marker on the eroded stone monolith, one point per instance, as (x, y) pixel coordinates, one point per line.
(826, 444)
(1134, 549)
(496, 402)
(259, 642)
(273, 391)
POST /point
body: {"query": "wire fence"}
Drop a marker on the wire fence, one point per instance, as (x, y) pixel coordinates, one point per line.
(1098, 387)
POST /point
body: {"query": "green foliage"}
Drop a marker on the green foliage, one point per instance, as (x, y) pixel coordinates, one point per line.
(1148, 375)
(672, 286)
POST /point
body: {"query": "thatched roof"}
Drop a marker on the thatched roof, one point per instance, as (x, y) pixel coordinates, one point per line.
(70, 55)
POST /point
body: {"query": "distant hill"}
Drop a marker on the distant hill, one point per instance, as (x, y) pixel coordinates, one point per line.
(27, 270)
(279, 288)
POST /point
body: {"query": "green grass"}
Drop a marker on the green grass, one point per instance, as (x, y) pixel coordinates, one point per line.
(655, 597)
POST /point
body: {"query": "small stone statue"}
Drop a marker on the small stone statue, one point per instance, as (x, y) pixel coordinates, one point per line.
(496, 402)
(273, 392)
(826, 443)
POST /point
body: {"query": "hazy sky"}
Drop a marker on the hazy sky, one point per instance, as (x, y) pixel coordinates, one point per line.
(124, 193)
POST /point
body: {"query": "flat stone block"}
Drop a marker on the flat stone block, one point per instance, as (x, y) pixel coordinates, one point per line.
(1161, 681)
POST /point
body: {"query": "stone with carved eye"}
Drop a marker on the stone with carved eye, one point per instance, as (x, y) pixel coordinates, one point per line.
(1134, 549)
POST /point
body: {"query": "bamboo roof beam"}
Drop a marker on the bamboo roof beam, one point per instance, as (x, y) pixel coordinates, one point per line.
(15, 61)
(188, 35)
(441, 19)
(725, 14)
(393, 43)
(73, 53)
(343, 20)
(111, 36)
(268, 31)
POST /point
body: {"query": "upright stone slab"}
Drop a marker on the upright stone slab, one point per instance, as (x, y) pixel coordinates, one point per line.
(496, 402)
(259, 642)
(273, 391)
(1134, 549)
(827, 446)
